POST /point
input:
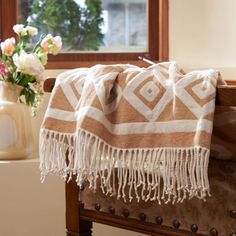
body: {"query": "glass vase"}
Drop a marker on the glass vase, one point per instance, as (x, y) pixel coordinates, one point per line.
(16, 139)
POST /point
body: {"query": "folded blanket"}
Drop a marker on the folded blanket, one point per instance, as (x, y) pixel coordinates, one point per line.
(147, 128)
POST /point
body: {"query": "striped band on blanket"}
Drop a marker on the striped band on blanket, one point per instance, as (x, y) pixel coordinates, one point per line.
(145, 131)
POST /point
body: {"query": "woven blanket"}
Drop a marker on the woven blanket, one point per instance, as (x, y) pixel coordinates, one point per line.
(149, 129)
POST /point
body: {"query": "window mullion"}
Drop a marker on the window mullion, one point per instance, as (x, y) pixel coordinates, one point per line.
(8, 17)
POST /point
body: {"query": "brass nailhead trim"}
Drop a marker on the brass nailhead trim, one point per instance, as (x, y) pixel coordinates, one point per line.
(176, 224)
(125, 213)
(111, 210)
(97, 206)
(213, 232)
(194, 228)
(159, 220)
(233, 214)
(142, 216)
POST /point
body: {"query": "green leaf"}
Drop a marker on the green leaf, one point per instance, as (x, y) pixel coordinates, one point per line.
(4, 58)
(23, 80)
(29, 95)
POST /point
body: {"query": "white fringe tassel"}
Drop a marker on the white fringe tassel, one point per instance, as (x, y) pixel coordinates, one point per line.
(162, 174)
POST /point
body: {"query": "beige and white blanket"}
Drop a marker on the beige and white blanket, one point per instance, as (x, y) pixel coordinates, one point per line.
(147, 128)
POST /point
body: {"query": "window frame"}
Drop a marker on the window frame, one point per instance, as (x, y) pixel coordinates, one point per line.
(157, 16)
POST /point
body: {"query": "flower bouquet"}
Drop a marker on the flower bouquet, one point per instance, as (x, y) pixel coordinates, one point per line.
(23, 64)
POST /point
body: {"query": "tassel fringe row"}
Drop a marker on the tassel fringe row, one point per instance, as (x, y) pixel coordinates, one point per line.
(163, 174)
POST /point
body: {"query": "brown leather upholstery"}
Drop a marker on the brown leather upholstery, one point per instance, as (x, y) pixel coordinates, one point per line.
(217, 214)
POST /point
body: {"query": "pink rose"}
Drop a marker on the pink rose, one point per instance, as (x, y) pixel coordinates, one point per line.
(51, 44)
(2, 69)
(8, 46)
(58, 42)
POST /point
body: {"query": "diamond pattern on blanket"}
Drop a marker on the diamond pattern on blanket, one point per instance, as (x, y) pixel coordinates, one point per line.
(148, 96)
(203, 91)
(149, 91)
(199, 107)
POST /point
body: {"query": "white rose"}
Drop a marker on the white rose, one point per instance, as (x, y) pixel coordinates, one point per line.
(28, 64)
(18, 28)
(31, 30)
(24, 32)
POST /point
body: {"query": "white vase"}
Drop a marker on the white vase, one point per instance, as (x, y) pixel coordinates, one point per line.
(16, 139)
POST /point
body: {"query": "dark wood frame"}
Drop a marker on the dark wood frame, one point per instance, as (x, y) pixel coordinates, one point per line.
(7, 20)
(79, 220)
(157, 39)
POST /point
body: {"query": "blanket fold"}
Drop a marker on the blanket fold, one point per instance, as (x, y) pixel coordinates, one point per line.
(148, 129)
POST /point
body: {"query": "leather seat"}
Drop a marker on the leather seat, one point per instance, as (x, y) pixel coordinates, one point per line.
(216, 216)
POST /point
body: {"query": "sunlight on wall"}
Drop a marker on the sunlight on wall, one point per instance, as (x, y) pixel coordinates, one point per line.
(203, 33)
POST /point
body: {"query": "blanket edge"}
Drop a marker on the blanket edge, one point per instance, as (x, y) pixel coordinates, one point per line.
(164, 174)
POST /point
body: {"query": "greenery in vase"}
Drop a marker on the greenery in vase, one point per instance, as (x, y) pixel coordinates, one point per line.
(23, 63)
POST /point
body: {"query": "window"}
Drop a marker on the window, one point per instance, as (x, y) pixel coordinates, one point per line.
(127, 29)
